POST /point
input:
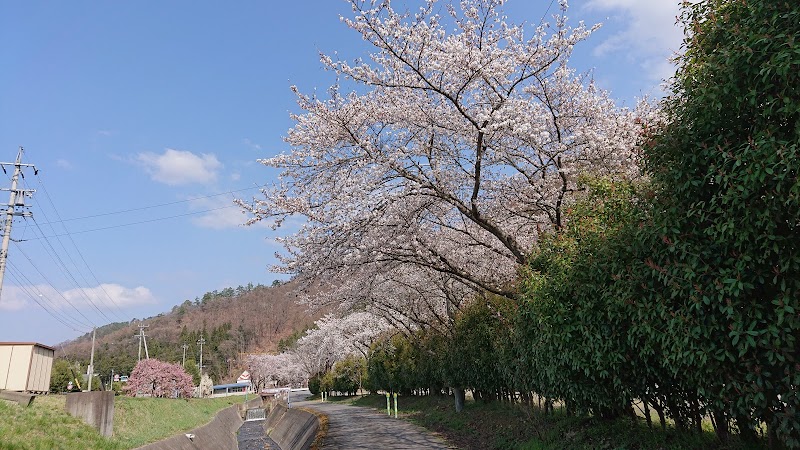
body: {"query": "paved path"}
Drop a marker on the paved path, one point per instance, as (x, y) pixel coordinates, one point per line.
(357, 428)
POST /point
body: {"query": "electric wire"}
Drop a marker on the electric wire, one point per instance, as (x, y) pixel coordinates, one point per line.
(20, 276)
(47, 280)
(111, 227)
(142, 208)
(53, 253)
(52, 313)
(27, 289)
(75, 246)
(44, 301)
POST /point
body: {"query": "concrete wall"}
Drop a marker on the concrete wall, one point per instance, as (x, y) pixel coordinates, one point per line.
(291, 429)
(94, 408)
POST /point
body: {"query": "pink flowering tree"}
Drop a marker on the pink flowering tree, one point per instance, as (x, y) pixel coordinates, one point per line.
(463, 138)
(276, 370)
(159, 379)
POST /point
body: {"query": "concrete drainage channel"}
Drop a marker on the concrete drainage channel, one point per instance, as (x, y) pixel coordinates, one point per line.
(278, 428)
(252, 435)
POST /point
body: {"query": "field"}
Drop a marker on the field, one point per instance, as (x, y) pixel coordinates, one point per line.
(137, 421)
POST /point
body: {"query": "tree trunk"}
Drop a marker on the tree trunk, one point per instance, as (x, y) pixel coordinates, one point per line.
(721, 426)
(460, 396)
(746, 431)
(661, 417)
(647, 414)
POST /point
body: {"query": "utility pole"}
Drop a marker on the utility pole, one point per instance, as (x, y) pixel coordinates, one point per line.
(185, 346)
(90, 371)
(13, 202)
(201, 341)
(142, 338)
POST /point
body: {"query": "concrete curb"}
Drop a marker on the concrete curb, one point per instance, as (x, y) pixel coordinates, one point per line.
(291, 429)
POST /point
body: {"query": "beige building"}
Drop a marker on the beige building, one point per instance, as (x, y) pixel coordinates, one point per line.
(25, 366)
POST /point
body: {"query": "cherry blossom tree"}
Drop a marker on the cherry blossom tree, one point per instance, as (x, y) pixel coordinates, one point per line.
(335, 338)
(276, 370)
(159, 379)
(464, 137)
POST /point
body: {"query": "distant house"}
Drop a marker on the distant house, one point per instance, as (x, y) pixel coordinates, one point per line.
(222, 390)
(25, 366)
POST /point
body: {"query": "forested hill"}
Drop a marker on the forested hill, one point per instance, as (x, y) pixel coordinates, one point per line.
(233, 323)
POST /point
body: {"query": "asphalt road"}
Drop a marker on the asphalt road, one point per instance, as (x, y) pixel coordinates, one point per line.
(357, 428)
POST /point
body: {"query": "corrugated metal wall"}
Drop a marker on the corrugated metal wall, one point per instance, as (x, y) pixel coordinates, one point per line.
(25, 367)
(41, 365)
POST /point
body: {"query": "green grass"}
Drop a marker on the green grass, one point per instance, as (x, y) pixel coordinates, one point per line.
(45, 426)
(510, 427)
(137, 421)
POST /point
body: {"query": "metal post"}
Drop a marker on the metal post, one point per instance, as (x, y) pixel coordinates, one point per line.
(185, 346)
(395, 405)
(388, 406)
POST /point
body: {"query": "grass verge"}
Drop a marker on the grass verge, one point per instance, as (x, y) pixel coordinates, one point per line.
(506, 427)
(137, 421)
(140, 421)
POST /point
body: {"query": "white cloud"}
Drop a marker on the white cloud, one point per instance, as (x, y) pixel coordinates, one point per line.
(176, 167)
(109, 294)
(220, 213)
(64, 164)
(104, 296)
(648, 33)
(236, 176)
(251, 144)
(13, 299)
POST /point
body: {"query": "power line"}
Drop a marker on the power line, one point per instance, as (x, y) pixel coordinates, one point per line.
(135, 223)
(51, 284)
(22, 280)
(51, 313)
(49, 199)
(159, 206)
(69, 274)
(65, 270)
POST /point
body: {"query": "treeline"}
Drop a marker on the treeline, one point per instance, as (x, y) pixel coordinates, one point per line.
(679, 294)
(226, 338)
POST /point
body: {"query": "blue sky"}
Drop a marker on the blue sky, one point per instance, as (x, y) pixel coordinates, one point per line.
(161, 109)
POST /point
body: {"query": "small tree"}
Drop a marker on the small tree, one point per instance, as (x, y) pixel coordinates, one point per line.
(192, 369)
(159, 379)
(61, 376)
